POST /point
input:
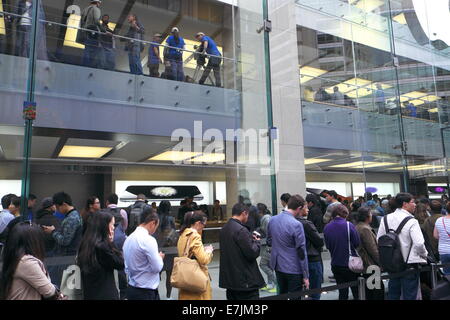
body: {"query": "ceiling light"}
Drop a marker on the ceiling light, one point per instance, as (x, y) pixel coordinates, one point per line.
(83, 152)
(2, 20)
(174, 156)
(420, 167)
(210, 158)
(309, 73)
(400, 18)
(433, 110)
(315, 160)
(361, 164)
(350, 85)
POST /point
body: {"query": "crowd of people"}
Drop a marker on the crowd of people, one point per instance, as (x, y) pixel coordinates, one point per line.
(120, 251)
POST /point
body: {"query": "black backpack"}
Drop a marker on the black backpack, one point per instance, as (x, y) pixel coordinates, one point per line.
(389, 247)
(134, 219)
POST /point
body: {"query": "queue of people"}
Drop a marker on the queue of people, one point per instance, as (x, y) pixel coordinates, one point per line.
(117, 262)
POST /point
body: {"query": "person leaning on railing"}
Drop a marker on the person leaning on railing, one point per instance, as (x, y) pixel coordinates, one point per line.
(174, 57)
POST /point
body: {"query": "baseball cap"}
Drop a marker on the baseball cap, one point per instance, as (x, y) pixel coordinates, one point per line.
(159, 35)
(175, 29)
(47, 202)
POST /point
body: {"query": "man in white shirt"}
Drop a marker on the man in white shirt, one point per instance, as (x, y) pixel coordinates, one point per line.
(143, 263)
(412, 247)
(284, 200)
(5, 215)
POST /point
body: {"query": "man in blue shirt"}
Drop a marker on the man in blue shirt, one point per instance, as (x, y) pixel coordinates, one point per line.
(411, 109)
(5, 215)
(143, 262)
(173, 56)
(210, 48)
(289, 258)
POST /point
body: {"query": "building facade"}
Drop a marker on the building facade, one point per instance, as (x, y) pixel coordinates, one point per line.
(351, 95)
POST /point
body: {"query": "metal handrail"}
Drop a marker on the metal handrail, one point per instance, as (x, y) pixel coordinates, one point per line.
(118, 36)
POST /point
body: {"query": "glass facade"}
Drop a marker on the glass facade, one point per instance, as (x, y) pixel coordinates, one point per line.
(373, 77)
(127, 107)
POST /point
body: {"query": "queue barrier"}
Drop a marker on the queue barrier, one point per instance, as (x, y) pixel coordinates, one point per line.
(361, 283)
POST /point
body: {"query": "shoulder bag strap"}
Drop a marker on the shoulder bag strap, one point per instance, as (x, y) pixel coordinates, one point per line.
(348, 237)
(186, 250)
(445, 228)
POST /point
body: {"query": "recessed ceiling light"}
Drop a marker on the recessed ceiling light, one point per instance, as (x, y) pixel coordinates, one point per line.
(365, 164)
(83, 152)
(174, 156)
(315, 160)
(309, 73)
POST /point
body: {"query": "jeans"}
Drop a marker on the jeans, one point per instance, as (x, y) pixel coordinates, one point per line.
(134, 293)
(177, 69)
(445, 258)
(92, 53)
(134, 58)
(406, 286)
(154, 69)
(108, 58)
(343, 275)
(289, 282)
(23, 41)
(264, 264)
(213, 63)
(315, 277)
(242, 295)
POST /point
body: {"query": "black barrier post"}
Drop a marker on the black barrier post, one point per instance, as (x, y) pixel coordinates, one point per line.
(361, 288)
(434, 271)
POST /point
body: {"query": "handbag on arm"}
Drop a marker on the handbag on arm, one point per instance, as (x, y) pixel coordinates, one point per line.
(187, 274)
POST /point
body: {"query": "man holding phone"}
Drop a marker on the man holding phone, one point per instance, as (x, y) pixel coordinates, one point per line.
(239, 248)
(289, 258)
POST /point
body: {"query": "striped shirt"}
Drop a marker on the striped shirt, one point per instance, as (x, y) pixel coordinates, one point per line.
(444, 236)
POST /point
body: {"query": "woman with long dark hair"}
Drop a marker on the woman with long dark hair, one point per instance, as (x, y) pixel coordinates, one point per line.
(91, 207)
(167, 236)
(191, 241)
(98, 258)
(24, 276)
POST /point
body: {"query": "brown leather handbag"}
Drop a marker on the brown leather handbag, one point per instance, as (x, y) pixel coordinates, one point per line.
(187, 274)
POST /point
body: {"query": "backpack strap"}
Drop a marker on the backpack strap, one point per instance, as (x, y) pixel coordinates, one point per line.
(386, 227)
(402, 224)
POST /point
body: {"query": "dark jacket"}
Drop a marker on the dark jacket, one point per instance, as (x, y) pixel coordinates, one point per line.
(427, 230)
(101, 285)
(314, 243)
(68, 238)
(315, 215)
(135, 33)
(238, 252)
(46, 218)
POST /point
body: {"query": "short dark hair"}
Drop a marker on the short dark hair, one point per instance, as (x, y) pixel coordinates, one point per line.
(368, 196)
(182, 202)
(32, 197)
(392, 204)
(6, 200)
(285, 197)
(312, 198)
(113, 198)
(424, 201)
(436, 206)
(238, 208)
(355, 206)
(216, 201)
(331, 193)
(295, 202)
(62, 197)
(148, 215)
(363, 214)
(340, 210)
(403, 197)
(15, 201)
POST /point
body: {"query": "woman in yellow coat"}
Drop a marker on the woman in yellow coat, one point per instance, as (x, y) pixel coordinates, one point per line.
(194, 223)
